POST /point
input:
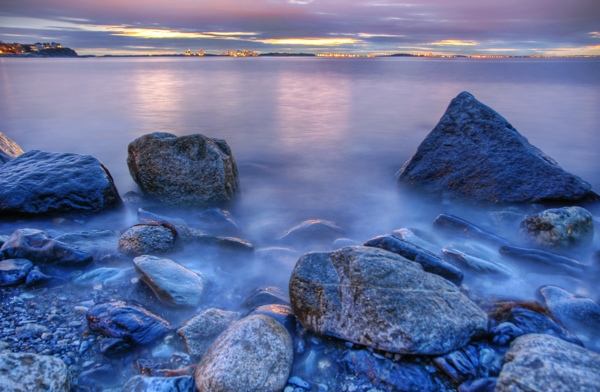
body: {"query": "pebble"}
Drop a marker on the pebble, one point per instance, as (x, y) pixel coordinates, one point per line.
(297, 381)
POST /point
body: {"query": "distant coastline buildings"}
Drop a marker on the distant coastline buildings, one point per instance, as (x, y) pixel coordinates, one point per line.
(37, 49)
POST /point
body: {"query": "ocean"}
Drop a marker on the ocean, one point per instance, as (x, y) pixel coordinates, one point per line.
(313, 138)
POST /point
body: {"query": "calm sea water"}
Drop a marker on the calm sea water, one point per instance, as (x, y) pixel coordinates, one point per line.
(313, 137)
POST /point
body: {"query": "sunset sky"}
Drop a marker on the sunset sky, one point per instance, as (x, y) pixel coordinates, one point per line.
(505, 27)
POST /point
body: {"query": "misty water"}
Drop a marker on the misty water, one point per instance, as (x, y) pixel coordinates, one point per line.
(313, 138)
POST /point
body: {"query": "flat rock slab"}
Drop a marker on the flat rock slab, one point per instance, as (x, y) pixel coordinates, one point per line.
(44, 183)
(131, 323)
(379, 299)
(21, 372)
(545, 363)
(254, 354)
(474, 154)
(36, 246)
(172, 283)
(192, 170)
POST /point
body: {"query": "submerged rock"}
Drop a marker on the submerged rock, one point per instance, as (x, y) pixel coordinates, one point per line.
(172, 283)
(218, 221)
(553, 264)
(429, 261)
(38, 247)
(101, 244)
(32, 372)
(456, 225)
(475, 154)
(559, 227)
(476, 264)
(254, 354)
(545, 363)
(316, 231)
(199, 332)
(283, 314)
(44, 183)
(14, 271)
(159, 384)
(379, 299)
(8, 149)
(192, 170)
(147, 239)
(131, 323)
(572, 311)
(387, 375)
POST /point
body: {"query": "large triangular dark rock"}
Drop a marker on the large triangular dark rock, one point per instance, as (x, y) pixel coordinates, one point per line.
(475, 154)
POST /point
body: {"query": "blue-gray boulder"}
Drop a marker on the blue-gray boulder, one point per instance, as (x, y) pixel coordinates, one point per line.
(45, 183)
(192, 170)
(474, 154)
(382, 300)
(545, 363)
(559, 227)
(36, 246)
(131, 323)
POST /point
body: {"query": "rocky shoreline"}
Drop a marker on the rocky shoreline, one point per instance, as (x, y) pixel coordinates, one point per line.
(91, 302)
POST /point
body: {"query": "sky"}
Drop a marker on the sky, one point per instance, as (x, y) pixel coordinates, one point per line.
(472, 27)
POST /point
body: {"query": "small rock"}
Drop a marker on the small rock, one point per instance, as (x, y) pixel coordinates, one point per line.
(38, 247)
(218, 221)
(30, 330)
(132, 323)
(159, 384)
(572, 311)
(310, 232)
(254, 354)
(268, 295)
(559, 227)
(101, 376)
(172, 283)
(147, 239)
(297, 381)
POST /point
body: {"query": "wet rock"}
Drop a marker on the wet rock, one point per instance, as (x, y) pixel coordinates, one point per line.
(418, 238)
(379, 299)
(487, 384)
(476, 264)
(132, 323)
(105, 276)
(38, 247)
(192, 170)
(559, 227)
(460, 365)
(473, 153)
(159, 384)
(113, 346)
(283, 314)
(429, 261)
(8, 149)
(267, 296)
(14, 271)
(309, 232)
(298, 382)
(37, 279)
(200, 331)
(387, 375)
(505, 332)
(531, 322)
(172, 283)
(30, 330)
(553, 264)
(276, 256)
(545, 363)
(254, 354)
(28, 372)
(44, 183)
(572, 311)
(466, 229)
(147, 239)
(218, 221)
(101, 244)
(100, 376)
